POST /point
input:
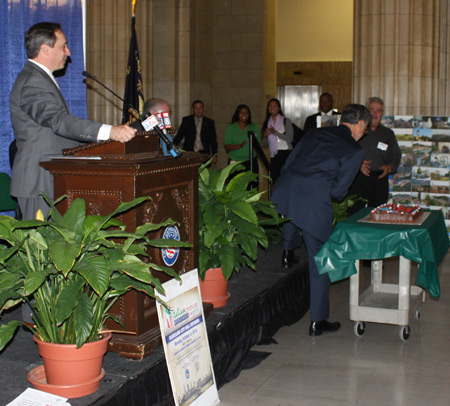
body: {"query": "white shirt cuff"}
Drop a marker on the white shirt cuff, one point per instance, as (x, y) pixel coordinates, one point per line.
(104, 132)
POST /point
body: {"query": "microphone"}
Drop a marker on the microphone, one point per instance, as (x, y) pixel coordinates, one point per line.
(175, 152)
(150, 122)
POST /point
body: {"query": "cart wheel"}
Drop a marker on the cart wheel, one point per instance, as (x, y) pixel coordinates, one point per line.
(405, 332)
(417, 314)
(360, 328)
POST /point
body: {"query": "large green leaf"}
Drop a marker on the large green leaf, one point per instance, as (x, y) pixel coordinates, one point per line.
(83, 316)
(28, 224)
(6, 332)
(125, 206)
(64, 254)
(123, 283)
(9, 298)
(8, 279)
(249, 245)
(241, 181)
(244, 210)
(35, 279)
(227, 261)
(67, 300)
(147, 227)
(168, 243)
(75, 215)
(96, 271)
(160, 268)
(133, 267)
(225, 173)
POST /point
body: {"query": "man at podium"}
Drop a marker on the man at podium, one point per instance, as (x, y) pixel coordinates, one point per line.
(42, 123)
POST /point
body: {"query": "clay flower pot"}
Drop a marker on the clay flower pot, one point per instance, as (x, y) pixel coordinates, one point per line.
(214, 288)
(70, 371)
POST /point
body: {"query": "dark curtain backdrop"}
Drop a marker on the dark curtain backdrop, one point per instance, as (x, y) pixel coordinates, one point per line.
(15, 19)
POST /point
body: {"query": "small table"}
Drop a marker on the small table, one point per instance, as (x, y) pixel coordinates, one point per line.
(353, 240)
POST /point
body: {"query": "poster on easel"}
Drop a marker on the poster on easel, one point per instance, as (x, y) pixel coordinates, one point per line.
(423, 176)
(185, 342)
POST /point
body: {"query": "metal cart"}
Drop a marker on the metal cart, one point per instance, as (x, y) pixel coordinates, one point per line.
(385, 302)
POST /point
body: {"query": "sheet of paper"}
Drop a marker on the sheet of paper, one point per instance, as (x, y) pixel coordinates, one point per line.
(33, 397)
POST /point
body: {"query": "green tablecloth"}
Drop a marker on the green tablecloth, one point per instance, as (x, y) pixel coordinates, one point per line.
(351, 240)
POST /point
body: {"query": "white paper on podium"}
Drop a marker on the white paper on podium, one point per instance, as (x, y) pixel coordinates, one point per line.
(185, 341)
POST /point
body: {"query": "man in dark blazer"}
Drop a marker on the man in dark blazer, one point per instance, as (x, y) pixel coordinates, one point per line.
(198, 132)
(42, 123)
(320, 168)
(326, 109)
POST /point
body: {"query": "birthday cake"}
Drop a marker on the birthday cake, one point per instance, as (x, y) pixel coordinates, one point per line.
(396, 213)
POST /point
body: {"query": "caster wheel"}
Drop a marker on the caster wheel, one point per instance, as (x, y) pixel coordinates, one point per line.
(417, 315)
(360, 328)
(405, 332)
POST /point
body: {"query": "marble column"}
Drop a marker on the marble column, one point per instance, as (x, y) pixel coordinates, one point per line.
(401, 54)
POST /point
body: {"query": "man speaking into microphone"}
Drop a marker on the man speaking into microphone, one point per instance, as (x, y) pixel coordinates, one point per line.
(42, 123)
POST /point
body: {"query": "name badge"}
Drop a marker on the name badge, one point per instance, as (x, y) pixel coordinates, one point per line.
(382, 146)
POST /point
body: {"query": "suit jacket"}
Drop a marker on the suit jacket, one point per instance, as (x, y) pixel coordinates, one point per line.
(43, 126)
(320, 168)
(311, 121)
(188, 132)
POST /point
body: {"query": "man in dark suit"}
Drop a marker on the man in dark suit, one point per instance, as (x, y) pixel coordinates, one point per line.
(320, 168)
(42, 123)
(198, 132)
(326, 109)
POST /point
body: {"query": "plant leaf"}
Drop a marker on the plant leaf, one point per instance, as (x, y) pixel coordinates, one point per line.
(64, 254)
(6, 333)
(33, 280)
(96, 271)
(83, 316)
(67, 300)
(244, 210)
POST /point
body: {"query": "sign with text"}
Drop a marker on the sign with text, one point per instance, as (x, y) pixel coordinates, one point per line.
(185, 341)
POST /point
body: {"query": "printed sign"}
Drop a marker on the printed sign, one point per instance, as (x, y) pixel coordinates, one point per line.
(185, 341)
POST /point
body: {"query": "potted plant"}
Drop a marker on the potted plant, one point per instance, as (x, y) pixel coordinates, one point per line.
(71, 270)
(233, 222)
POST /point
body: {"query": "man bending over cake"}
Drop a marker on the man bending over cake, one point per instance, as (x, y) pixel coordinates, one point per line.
(320, 168)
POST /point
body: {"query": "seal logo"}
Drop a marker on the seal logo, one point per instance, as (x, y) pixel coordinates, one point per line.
(170, 255)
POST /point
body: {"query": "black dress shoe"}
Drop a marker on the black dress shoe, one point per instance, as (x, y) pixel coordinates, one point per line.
(317, 328)
(288, 258)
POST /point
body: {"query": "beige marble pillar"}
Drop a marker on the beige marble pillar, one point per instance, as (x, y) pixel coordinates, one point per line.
(401, 54)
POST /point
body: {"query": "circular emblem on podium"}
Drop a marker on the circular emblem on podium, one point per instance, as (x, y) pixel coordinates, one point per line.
(170, 255)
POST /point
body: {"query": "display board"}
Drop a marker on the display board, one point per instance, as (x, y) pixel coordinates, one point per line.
(424, 172)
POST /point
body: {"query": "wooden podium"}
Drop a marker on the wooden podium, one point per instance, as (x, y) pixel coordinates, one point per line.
(108, 173)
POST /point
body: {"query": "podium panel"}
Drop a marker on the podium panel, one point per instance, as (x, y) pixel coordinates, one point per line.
(104, 183)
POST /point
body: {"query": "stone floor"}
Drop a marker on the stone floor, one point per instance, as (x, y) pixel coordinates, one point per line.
(344, 369)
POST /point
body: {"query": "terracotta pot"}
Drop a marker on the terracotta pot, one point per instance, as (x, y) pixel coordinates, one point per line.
(66, 365)
(214, 288)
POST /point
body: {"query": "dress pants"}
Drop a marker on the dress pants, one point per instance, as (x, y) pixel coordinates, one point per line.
(319, 285)
(29, 207)
(277, 163)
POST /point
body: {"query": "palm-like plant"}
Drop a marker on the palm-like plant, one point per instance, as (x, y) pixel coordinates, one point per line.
(233, 220)
(72, 269)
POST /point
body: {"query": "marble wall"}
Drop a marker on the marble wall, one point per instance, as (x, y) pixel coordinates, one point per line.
(401, 53)
(220, 51)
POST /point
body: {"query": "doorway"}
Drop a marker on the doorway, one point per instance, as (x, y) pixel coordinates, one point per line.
(299, 102)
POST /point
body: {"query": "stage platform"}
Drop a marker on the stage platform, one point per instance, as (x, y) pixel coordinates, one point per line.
(261, 302)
